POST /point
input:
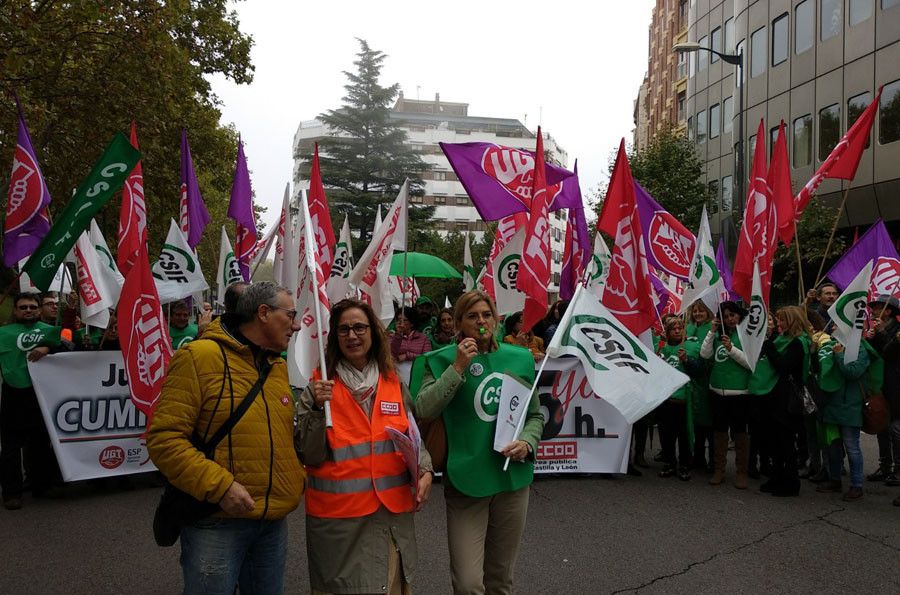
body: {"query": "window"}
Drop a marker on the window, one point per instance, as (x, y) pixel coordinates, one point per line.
(726, 194)
(692, 64)
(728, 114)
(729, 36)
(803, 133)
(440, 175)
(889, 114)
(803, 27)
(440, 200)
(715, 117)
(885, 4)
(758, 52)
(856, 105)
(682, 65)
(831, 22)
(715, 43)
(415, 199)
(701, 127)
(829, 129)
(751, 149)
(682, 14)
(780, 39)
(702, 57)
(773, 136)
(681, 103)
(860, 10)
(690, 127)
(714, 194)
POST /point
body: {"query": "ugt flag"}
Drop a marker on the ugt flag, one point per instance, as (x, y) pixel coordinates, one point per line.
(619, 368)
(499, 179)
(534, 274)
(132, 236)
(669, 244)
(27, 221)
(848, 313)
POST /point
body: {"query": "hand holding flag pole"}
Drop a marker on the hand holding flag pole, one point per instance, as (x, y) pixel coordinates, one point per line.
(534, 387)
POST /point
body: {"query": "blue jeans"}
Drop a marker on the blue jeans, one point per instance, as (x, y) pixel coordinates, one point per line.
(850, 440)
(218, 554)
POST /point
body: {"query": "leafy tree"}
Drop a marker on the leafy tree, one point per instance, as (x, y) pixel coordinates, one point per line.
(452, 249)
(366, 159)
(85, 70)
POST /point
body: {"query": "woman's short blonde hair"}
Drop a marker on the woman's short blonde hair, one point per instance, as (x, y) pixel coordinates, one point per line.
(796, 323)
(467, 301)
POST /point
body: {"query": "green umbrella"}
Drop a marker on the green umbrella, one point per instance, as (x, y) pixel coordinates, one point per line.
(422, 265)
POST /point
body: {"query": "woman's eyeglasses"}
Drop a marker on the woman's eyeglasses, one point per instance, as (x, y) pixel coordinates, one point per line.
(358, 329)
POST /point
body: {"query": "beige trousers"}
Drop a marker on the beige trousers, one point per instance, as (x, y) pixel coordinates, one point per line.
(484, 536)
(396, 585)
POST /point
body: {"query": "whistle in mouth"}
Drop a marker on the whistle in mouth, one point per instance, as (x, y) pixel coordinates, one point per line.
(482, 330)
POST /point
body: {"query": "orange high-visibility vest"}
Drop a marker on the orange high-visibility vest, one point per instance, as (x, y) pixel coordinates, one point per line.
(364, 469)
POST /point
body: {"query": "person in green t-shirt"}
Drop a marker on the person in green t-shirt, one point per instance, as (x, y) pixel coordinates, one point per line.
(486, 504)
(22, 428)
(697, 328)
(181, 331)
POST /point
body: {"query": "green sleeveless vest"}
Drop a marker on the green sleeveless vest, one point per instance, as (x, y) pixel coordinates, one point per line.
(670, 354)
(473, 467)
(726, 373)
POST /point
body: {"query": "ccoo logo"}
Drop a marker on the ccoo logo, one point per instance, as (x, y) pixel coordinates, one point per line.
(672, 250)
(26, 190)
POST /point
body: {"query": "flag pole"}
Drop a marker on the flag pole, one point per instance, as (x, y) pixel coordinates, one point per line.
(837, 220)
(521, 422)
(799, 264)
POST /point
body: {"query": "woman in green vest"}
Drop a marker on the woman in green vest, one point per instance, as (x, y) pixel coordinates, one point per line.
(731, 401)
(698, 327)
(785, 370)
(486, 505)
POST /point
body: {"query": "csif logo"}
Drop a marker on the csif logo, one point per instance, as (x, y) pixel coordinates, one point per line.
(487, 397)
(508, 271)
(174, 264)
(604, 344)
(29, 339)
(851, 309)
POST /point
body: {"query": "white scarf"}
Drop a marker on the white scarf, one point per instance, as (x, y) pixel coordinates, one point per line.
(360, 383)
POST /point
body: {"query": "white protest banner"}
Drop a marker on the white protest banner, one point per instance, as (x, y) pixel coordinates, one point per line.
(848, 313)
(177, 273)
(506, 272)
(514, 397)
(93, 424)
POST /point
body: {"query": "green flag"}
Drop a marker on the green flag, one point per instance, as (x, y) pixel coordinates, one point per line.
(105, 179)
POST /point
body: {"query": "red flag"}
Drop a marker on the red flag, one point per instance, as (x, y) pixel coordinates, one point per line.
(843, 160)
(132, 215)
(855, 235)
(758, 232)
(145, 342)
(506, 229)
(628, 292)
(321, 217)
(779, 180)
(534, 272)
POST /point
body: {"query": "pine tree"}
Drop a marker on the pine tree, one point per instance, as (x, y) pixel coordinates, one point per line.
(365, 159)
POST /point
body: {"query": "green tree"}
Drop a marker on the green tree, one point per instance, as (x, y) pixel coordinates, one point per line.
(366, 159)
(85, 70)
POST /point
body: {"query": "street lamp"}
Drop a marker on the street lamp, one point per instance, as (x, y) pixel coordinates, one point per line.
(737, 60)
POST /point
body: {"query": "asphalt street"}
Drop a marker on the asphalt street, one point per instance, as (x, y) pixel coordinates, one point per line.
(584, 535)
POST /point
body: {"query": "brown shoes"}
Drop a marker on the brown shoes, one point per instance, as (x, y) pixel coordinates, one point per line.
(853, 494)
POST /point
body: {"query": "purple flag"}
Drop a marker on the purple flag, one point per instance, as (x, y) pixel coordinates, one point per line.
(191, 199)
(662, 293)
(241, 210)
(725, 272)
(669, 244)
(27, 217)
(577, 250)
(498, 179)
(873, 244)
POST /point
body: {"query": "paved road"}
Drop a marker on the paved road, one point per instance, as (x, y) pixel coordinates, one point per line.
(584, 535)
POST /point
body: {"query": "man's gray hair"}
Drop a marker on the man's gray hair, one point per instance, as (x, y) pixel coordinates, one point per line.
(257, 294)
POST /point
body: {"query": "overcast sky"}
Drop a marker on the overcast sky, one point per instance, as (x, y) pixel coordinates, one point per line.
(576, 65)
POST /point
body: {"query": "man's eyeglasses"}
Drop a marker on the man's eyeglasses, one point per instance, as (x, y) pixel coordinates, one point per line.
(291, 313)
(55, 304)
(358, 329)
(28, 307)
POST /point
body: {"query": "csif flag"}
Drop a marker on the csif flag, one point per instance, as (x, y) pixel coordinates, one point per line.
(339, 280)
(705, 282)
(177, 272)
(28, 201)
(752, 329)
(228, 271)
(106, 177)
(469, 274)
(506, 228)
(848, 313)
(598, 267)
(506, 270)
(111, 271)
(240, 209)
(534, 272)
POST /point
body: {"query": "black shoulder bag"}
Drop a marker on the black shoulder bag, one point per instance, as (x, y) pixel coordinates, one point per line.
(178, 509)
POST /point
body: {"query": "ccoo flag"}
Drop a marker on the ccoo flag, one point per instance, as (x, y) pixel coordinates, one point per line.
(240, 208)
(669, 244)
(27, 219)
(193, 214)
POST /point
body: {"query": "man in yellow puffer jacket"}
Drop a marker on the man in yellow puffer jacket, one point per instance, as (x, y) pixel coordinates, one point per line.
(255, 476)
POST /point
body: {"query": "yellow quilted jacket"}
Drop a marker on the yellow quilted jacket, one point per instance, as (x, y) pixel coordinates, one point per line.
(260, 452)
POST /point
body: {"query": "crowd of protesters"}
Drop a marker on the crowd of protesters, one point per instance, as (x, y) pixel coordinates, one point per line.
(330, 443)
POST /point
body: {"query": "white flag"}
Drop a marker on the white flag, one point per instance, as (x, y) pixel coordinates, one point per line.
(469, 274)
(228, 271)
(339, 280)
(705, 282)
(506, 270)
(371, 273)
(284, 222)
(848, 313)
(621, 370)
(514, 398)
(304, 349)
(752, 329)
(447, 302)
(598, 267)
(177, 273)
(95, 287)
(404, 288)
(377, 225)
(62, 278)
(106, 257)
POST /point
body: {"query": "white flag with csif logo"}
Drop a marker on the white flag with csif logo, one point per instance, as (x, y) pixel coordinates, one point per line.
(177, 273)
(506, 271)
(752, 329)
(514, 397)
(848, 313)
(620, 369)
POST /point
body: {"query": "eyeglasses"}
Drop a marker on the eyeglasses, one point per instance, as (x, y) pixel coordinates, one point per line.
(291, 313)
(28, 307)
(51, 304)
(358, 329)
